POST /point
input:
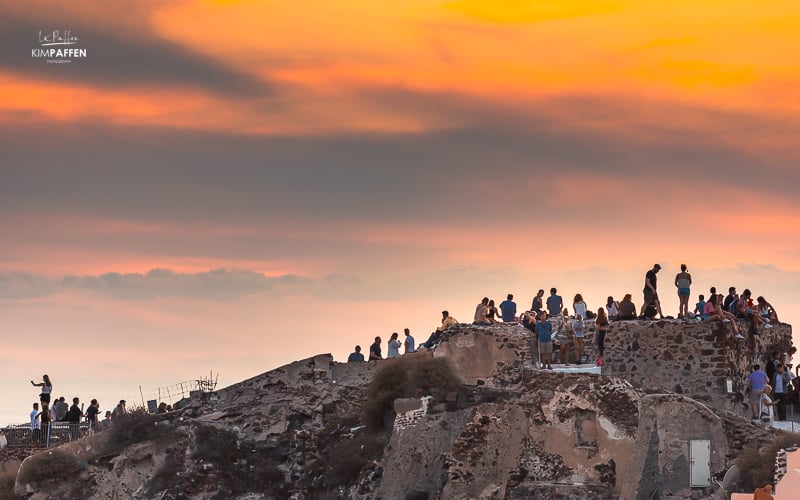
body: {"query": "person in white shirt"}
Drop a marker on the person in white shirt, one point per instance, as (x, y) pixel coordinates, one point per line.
(765, 406)
(35, 416)
(409, 343)
(393, 350)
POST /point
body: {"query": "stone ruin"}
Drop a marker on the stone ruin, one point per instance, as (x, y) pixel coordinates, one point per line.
(510, 431)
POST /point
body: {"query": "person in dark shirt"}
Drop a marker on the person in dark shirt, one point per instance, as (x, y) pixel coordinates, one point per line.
(356, 357)
(650, 293)
(375, 350)
(729, 299)
(60, 408)
(627, 310)
(74, 418)
(554, 303)
(536, 306)
(91, 416)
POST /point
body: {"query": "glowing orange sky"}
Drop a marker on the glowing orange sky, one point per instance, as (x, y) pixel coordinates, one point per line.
(730, 55)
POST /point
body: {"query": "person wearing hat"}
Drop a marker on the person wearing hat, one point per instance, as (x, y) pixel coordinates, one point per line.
(650, 293)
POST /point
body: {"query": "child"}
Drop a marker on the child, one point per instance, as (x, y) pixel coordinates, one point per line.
(699, 309)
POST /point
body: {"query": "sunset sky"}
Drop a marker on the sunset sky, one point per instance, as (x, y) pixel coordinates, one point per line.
(229, 186)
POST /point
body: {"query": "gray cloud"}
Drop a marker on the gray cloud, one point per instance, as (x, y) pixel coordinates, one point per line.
(217, 284)
(121, 59)
(491, 160)
(20, 285)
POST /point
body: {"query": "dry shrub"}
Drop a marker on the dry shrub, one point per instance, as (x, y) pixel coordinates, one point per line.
(759, 465)
(7, 479)
(404, 377)
(135, 427)
(47, 465)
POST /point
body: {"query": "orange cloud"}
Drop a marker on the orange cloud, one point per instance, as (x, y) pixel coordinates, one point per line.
(522, 11)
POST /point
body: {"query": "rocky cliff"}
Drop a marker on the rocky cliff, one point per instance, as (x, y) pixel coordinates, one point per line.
(473, 419)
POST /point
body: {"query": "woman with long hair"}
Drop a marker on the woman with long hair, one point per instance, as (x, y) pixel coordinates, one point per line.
(612, 308)
(491, 312)
(47, 389)
(766, 310)
(579, 306)
(716, 312)
(601, 328)
(627, 309)
(393, 349)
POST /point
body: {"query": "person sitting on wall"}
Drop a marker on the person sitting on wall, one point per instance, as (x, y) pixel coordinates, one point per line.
(745, 309)
(356, 356)
(612, 308)
(536, 305)
(508, 309)
(766, 311)
(715, 312)
(699, 308)
(554, 303)
(375, 350)
(481, 313)
(447, 320)
(627, 309)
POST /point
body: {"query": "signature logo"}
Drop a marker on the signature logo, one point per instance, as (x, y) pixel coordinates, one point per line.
(57, 37)
(58, 47)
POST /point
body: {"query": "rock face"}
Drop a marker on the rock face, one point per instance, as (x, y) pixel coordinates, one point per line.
(511, 431)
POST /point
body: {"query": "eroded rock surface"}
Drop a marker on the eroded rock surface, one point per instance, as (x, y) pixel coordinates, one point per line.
(511, 431)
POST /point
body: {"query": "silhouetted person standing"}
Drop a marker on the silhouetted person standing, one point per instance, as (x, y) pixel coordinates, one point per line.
(650, 293)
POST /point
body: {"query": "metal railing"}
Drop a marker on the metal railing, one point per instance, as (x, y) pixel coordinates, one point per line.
(181, 390)
(52, 434)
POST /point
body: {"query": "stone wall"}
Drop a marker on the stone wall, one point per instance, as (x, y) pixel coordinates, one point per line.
(492, 356)
(695, 359)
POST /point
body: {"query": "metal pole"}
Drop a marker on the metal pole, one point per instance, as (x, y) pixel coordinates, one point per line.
(142, 396)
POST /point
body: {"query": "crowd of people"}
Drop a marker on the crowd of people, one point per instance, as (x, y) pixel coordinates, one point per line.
(773, 388)
(44, 413)
(546, 317)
